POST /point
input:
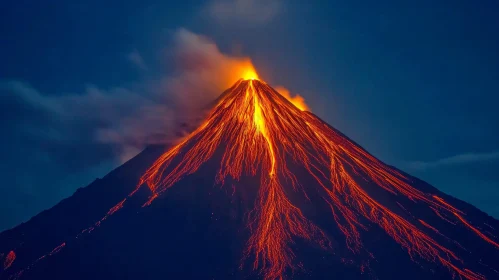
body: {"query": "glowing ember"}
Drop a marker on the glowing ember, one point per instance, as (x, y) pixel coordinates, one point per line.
(250, 73)
(9, 259)
(51, 253)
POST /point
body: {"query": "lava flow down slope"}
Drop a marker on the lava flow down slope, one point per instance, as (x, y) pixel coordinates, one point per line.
(262, 189)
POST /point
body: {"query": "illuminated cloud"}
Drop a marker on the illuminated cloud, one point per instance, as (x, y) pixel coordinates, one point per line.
(126, 119)
(297, 99)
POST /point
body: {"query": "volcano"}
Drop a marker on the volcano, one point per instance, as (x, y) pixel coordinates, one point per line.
(260, 190)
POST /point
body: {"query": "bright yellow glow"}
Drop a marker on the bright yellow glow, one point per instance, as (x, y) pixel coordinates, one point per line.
(250, 73)
(296, 100)
(260, 126)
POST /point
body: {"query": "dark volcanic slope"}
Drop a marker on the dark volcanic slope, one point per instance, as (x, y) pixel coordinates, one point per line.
(261, 190)
(47, 230)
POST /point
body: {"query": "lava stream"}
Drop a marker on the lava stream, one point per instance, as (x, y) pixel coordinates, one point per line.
(261, 133)
(250, 121)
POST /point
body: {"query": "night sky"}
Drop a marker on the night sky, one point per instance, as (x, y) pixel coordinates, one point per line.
(85, 86)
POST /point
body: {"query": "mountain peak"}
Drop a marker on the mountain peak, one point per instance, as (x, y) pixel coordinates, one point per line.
(289, 189)
(255, 131)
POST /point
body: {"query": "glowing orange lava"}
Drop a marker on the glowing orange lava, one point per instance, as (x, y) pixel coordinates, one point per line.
(259, 132)
(51, 253)
(9, 259)
(250, 73)
(296, 100)
(258, 129)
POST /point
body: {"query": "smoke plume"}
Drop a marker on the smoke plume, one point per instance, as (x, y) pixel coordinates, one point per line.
(125, 120)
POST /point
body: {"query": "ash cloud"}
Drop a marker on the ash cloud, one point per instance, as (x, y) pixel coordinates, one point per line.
(124, 120)
(55, 140)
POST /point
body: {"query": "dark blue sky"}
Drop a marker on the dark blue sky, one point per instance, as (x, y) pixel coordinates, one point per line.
(416, 84)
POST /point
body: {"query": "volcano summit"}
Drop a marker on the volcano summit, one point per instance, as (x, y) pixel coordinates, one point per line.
(260, 190)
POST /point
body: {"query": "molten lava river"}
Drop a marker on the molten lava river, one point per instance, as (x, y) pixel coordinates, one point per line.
(259, 132)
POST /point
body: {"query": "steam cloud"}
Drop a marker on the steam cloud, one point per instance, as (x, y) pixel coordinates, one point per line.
(126, 120)
(66, 139)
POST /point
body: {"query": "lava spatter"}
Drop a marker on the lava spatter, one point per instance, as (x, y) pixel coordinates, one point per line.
(9, 259)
